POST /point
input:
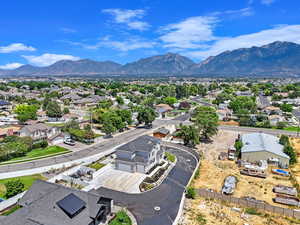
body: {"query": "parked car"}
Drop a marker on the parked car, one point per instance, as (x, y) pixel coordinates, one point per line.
(69, 141)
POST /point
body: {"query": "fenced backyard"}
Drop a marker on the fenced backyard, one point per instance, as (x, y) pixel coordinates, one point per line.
(249, 204)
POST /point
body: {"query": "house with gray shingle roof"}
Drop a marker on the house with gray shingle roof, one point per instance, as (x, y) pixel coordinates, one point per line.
(260, 146)
(139, 155)
(52, 204)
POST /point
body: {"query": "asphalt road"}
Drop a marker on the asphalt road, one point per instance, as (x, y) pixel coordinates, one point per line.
(254, 129)
(167, 196)
(90, 151)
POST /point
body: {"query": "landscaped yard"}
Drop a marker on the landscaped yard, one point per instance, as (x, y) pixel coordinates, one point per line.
(96, 165)
(26, 180)
(121, 219)
(39, 153)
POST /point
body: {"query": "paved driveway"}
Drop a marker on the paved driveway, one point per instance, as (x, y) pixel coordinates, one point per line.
(167, 196)
(120, 180)
(77, 147)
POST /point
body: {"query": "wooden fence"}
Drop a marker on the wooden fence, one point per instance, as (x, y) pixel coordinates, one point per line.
(250, 204)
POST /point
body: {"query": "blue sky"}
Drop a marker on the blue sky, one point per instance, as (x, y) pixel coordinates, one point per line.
(42, 32)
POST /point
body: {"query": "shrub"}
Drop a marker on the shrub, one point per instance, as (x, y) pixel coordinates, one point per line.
(252, 211)
(40, 144)
(200, 218)
(170, 157)
(191, 193)
(13, 188)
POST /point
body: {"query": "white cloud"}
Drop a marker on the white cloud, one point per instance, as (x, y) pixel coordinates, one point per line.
(128, 45)
(47, 59)
(15, 47)
(131, 18)
(289, 33)
(11, 66)
(189, 33)
(248, 11)
(68, 30)
(267, 2)
(131, 43)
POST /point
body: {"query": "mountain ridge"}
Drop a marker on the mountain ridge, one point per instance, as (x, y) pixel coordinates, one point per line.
(274, 59)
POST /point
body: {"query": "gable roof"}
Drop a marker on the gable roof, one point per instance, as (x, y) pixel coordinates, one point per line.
(257, 142)
(35, 127)
(144, 143)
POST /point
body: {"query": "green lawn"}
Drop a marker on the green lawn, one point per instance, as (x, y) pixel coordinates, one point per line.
(121, 219)
(39, 153)
(295, 129)
(26, 180)
(96, 165)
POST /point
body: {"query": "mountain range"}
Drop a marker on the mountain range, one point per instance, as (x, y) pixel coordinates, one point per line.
(274, 59)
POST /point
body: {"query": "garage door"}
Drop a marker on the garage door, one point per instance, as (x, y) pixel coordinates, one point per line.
(125, 167)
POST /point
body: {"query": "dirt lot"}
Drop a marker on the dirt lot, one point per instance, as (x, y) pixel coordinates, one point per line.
(213, 172)
(296, 168)
(222, 141)
(211, 212)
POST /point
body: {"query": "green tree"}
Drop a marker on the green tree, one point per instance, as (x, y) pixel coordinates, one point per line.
(206, 120)
(26, 112)
(120, 100)
(242, 103)
(189, 134)
(170, 100)
(53, 110)
(146, 115)
(286, 107)
(13, 188)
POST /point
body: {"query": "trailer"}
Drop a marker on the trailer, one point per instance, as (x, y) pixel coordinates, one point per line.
(281, 189)
(286, 200)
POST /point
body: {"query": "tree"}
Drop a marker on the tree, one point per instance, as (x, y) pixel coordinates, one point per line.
(170, 100)
(189, 134)
(105, 104)
(53, 110)
(146, 115)
(107, 127)
(120, 100)
(125, 115)
(66, 110)
(206, 120)
(13, 188)
(26, 112)
(242, 103)
(289, 150)
(286, 107)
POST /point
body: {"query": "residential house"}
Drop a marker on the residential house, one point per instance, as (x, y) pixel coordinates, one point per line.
(5, 105)
(162, 109)
(39, 131)
(53, 204)
(263, 102)
(274, 119)
(161, 133)
(261, 146)
(139, 155)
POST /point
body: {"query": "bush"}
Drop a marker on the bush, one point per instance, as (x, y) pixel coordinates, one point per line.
(200, 218)
(191, 193)
(40, 144)
(252, 211)
(13, 188)
(170, 157)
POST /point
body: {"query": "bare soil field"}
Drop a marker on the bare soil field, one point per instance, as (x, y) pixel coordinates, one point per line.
(214, 171)
(212, 212)
(296, 168)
